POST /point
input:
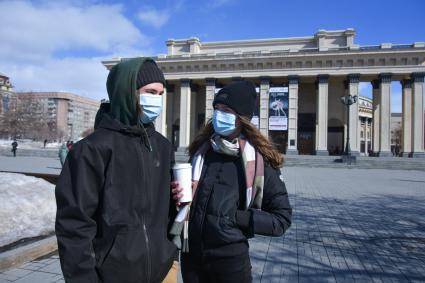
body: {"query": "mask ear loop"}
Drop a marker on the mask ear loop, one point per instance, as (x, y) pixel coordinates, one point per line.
(144, 137)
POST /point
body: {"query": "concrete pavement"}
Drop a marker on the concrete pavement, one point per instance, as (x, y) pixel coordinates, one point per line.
(349, 225)
(27, 164)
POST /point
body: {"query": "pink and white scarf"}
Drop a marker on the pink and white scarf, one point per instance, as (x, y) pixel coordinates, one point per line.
(253, 163)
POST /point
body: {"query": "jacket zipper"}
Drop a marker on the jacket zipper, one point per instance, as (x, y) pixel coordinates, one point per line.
(145, 232)
(148, 258)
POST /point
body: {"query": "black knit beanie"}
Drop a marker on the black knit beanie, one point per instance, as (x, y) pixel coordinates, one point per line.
(149, 73)
(240, 96)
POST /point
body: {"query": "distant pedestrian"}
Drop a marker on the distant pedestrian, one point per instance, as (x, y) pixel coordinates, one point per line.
(14, 147)
(397, 150)
(69, 145)
(45, 142)
(63, 151)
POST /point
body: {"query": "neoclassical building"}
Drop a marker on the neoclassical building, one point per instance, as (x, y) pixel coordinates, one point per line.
(316, 71)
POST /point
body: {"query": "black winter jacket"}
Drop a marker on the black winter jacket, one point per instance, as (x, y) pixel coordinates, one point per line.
(219, 224)
(113, 202)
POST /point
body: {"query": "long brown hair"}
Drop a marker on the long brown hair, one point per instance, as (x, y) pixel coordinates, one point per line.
(267, 149)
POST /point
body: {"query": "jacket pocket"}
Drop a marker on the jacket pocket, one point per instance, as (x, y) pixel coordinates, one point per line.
(126, 260)
(102, 247)
(219, 227)
(223, 202)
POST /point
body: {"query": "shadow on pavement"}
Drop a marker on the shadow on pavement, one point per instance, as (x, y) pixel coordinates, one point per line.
(378, 238)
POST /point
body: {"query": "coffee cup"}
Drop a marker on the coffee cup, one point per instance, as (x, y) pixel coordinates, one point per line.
(183, 174)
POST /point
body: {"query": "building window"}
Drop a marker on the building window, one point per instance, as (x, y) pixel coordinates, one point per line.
(361, 134)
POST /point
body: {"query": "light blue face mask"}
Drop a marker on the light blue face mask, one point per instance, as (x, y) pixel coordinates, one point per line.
(151, 105)
(224, 123)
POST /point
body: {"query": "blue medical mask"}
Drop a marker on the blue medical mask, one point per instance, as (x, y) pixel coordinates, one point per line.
(151, 105)
(224, 123)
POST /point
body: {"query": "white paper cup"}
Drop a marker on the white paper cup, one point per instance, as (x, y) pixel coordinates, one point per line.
(183, 174)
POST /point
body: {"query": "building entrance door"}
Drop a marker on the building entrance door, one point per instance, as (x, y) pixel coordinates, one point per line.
(306, 133)
(280, 140)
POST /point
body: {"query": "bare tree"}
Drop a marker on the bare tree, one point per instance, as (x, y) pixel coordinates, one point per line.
(25, 118)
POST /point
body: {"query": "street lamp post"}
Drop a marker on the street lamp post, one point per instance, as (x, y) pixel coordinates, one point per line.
(348, 100)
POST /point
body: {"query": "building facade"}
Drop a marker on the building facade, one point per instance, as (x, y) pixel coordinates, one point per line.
(69, 114)
(316, 71)
(365, 125)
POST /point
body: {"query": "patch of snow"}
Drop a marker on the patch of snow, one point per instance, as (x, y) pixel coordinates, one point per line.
(27, 207)
(29, 144)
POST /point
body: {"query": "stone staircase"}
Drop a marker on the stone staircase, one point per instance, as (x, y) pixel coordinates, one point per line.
(396, 163)
(181, 156)
(362, 162)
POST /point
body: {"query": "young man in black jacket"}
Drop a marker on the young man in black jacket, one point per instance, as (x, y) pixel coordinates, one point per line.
(113, 194)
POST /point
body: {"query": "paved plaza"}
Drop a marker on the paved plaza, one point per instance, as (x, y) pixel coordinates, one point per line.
(30, 164)
(349, 225)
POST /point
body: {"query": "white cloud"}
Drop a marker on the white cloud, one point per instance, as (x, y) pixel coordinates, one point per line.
(153, 17)
(40, 43)
(82, 76)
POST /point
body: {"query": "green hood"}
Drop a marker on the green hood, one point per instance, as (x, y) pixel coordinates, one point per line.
(121, 87)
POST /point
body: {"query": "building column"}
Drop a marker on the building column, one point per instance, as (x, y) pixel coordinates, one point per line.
(370, 139)
(185, 114)
(365, 135)
(264, 105)
(418, 115)
(161, 120)
(194, 89)
(293, 116)
(406, 124)
(375, 119)
(322, 115)
(353, 90)
(171, 93)
(209, 97)
(385, 115)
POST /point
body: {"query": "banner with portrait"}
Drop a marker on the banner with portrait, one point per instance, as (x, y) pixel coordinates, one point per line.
(278, 108)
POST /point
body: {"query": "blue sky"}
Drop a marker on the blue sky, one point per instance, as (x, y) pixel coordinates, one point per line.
(58, 45)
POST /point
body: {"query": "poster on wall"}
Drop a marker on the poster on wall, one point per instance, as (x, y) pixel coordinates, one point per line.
(256, 115)
(278, 108)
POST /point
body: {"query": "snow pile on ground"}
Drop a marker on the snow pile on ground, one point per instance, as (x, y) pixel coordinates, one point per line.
(29, 144)
(27, 207)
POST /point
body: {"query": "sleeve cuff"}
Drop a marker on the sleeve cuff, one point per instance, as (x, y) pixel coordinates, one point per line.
(244, 222)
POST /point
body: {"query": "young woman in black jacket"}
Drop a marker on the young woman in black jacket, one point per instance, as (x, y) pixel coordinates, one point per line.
(237, 192)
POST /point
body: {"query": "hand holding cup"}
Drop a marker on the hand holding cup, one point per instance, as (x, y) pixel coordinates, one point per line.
(182, 185)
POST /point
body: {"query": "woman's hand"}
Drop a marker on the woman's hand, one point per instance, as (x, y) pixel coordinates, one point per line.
(176, 190)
